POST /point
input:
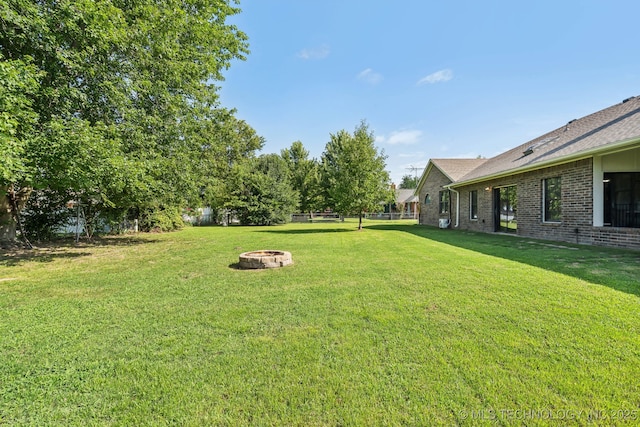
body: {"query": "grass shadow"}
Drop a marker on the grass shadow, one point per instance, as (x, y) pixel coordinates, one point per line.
(236, 266)
(64, 248)
(615, 268)
(16, 257)
(309, 231)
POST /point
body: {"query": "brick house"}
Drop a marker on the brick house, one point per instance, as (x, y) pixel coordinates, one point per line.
(406, 203)
(579, 183)
(434, 199)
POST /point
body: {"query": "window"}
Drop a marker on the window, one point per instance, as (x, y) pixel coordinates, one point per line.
(552, 199)
(444, 201)
(622, 199)
(427, 199)
(473, 204)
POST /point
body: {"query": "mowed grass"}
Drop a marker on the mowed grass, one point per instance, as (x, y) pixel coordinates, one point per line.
(397, 324)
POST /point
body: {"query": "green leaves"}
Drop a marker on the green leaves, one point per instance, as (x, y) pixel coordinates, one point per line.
(355, 178)
(17, 82)
(408, 182)
(265, 195)
(116, 101)
(305, 177)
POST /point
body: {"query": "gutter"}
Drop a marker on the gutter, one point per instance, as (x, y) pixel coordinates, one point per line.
(609, 149)
(457, 207)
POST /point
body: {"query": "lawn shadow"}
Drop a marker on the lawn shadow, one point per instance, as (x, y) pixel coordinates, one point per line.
(615, 268)
(118, 240)
(64, 248)
(309, 230)
(9, 258)
(236, 266)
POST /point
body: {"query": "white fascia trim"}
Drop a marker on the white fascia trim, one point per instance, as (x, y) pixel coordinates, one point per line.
(608, 149)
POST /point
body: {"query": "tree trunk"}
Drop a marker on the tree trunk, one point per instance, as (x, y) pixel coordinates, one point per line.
(7, 229)
(360, 221)
(9, 202)
(7, 222)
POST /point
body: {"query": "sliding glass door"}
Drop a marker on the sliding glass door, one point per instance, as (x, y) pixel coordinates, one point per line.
(505, 209)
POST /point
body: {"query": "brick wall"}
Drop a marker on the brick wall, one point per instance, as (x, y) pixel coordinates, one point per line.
(577, 208)
(484, 222)
(430, 213)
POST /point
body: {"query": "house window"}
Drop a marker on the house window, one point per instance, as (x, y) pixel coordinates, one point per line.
(552, 199)
(427, 199)
(473, 204)
(444, 202)
(622, 199)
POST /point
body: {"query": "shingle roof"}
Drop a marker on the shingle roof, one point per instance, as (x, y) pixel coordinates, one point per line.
(619, 123)
(455, 169)
(404, 195)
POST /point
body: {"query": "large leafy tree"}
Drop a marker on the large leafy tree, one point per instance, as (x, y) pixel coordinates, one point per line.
(124, 98)
(17, 82)
(225, 162)
(305, 176)
(265, 195)
(408, 182)
(354, 173)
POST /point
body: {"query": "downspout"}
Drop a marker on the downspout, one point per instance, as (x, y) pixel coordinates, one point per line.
(457, 207)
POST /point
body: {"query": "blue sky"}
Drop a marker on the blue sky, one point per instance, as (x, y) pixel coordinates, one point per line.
(443, 79)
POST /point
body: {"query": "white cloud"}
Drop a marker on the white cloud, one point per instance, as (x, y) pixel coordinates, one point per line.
(417, 155)
(319, 52)
(370, 76)
(404, 137)
(437, 77)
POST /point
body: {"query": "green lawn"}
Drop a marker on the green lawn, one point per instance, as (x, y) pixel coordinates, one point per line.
(394, 325)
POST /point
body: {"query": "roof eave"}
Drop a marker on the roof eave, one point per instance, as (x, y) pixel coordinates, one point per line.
(423, 178)
(610, 149)
(430, 165)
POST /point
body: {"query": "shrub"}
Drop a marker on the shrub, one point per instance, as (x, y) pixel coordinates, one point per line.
(161, 219)
(45, 215)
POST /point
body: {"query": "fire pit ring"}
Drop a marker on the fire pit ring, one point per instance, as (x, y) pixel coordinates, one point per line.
(264, 259)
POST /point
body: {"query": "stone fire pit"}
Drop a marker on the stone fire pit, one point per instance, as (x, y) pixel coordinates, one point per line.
(264, 259)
